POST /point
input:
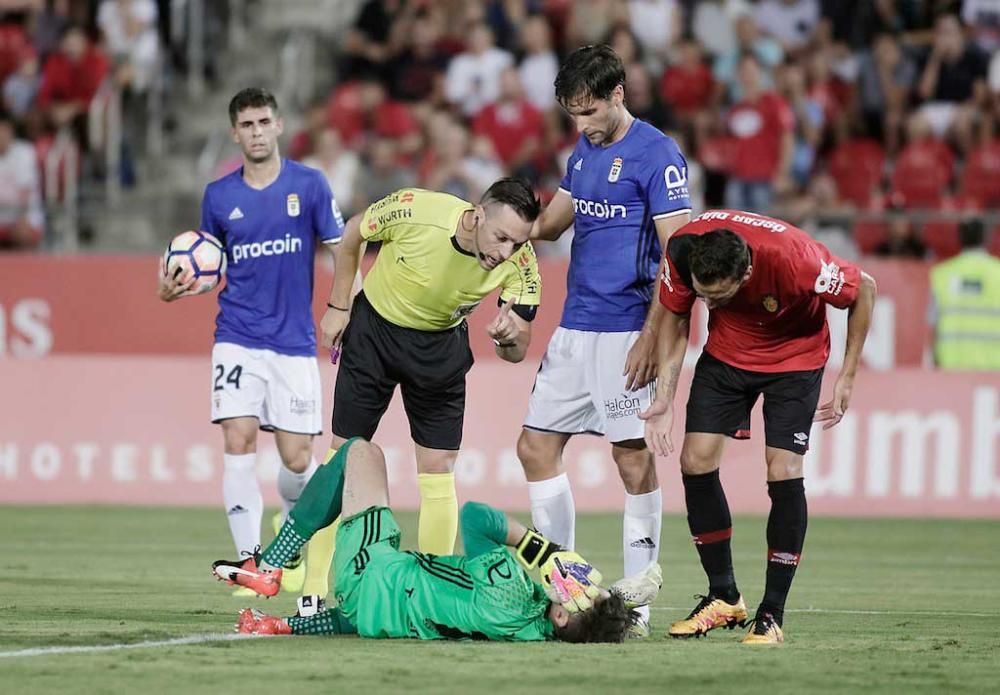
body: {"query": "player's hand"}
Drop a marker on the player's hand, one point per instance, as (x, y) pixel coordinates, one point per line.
(332, 326)
(571, 581)
(641, 362)
(833, 410)
(502, 328)
(659, 419)
(175, 285)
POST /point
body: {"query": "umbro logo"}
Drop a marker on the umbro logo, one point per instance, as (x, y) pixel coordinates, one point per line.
(646, 542)
(578, 166)
(238, 509)
(236, 214)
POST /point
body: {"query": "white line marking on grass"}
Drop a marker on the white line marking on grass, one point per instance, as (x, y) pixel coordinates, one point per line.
(90, 649)
(837, 611)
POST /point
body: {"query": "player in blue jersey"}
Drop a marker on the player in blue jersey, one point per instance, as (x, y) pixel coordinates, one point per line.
(270, 215)
(625, 192)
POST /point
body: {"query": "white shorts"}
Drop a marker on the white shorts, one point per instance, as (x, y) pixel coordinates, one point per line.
(580, 387)
(284, 392)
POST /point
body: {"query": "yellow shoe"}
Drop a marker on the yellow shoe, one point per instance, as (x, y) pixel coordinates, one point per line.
(764, 630)
(294, 575)
(710, 613)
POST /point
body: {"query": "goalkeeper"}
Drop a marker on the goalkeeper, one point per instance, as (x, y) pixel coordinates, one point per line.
(384, 592)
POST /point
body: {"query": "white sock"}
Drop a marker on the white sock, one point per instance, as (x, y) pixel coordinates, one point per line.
(641, 533)
(552, 510)
(241, 495)
(290, 486)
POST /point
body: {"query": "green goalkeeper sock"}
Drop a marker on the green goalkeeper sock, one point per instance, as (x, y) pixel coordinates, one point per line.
(328, 622)
(318, 506)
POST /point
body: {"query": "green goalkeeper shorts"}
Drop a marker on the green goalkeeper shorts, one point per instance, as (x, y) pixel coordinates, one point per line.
(369, 571)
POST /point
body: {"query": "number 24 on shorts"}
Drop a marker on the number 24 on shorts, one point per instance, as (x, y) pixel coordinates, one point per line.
(232, 378)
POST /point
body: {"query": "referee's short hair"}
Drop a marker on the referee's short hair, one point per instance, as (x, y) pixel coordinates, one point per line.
(251, 98)
(590, 72)
(518, 194)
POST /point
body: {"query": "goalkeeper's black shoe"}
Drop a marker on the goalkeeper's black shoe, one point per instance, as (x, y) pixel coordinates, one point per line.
(710, 613)
(764, 630)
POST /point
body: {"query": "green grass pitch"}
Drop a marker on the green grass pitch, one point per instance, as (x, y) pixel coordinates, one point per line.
(878, 606)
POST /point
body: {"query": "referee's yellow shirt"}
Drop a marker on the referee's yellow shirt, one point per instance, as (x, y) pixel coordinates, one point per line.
(421, 279)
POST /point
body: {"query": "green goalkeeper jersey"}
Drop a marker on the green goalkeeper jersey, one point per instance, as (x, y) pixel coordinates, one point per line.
(483, 595)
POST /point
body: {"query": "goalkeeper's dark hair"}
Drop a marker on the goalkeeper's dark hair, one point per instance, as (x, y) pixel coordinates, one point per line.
(251, 98)
(718, 255)
(589, 72)
(516, 193)
(608, 621)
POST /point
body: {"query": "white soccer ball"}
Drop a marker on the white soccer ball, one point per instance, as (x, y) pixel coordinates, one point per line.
(197, 255)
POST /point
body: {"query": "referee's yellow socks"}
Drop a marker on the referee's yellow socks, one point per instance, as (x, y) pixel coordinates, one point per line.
(319, 556)
(438, 524)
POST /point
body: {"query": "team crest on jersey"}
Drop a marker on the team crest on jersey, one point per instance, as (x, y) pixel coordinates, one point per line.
(293, 205)
(770, 303)
(616, 169)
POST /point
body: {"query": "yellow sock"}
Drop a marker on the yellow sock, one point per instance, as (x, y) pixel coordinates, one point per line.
(438, 524)
(320, 554)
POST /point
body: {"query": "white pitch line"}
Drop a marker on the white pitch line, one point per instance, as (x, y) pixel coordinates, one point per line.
(837, 611)
(178, 641)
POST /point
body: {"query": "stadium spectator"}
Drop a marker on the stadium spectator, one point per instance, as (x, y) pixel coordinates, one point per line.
(70, 80)
(644, 99)
(592, 21)
(473, 77)
(370, 43)
(21, 86)
(762, 127)
(902, 240)
(809, 119)
(952, 82)
(687, 86)
(791, 22)
(314, 122)
(767, 296)
(361, 110)
(21, 217)
(514, 127)
(982, 17)
(886, 76)
(130, 38)
(463, 166)
(748, 40)
(624, 43)
(965, 294)
(416, 73)
(539, 64)
(381, 173)
(339, 165)
(656, 24)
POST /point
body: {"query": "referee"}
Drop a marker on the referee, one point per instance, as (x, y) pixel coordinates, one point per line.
(440, 256)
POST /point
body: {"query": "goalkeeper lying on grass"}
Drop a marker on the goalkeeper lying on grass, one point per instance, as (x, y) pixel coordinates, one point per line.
(384, 592)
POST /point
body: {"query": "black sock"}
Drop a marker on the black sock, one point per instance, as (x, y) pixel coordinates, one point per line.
(711, 529)
(786, 533)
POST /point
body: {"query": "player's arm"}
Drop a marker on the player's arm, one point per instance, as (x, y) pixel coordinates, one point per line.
(511, 334)
(859, 320)
(641, 363)
(346, 283)
(555, 218)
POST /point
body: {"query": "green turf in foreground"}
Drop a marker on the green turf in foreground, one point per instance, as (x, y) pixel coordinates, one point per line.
(878, 606)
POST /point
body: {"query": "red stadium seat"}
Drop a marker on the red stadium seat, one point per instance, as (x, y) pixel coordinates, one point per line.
(981, 179)
(856, 166)
(868, 234)
(923, 172)
(941, 237)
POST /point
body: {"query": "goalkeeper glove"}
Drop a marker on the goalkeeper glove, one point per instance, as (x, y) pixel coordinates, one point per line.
(569, 580)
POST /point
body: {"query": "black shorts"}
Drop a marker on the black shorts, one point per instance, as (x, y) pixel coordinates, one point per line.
(722, 397)
(429, 366)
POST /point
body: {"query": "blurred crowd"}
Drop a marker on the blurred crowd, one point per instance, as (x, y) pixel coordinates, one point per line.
(870, 122)
(56, 58)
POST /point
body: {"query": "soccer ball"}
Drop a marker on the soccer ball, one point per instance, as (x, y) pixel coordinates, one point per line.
(199, 255)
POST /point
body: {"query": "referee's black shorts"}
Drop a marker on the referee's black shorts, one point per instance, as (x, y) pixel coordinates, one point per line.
(429, 366)
(722, 397)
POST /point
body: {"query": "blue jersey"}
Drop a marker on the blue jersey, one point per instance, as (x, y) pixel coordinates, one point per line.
(618, 191)
(270, 239)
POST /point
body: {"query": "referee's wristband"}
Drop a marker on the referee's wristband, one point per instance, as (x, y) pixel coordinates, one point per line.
(504, 345)
(338, 308)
